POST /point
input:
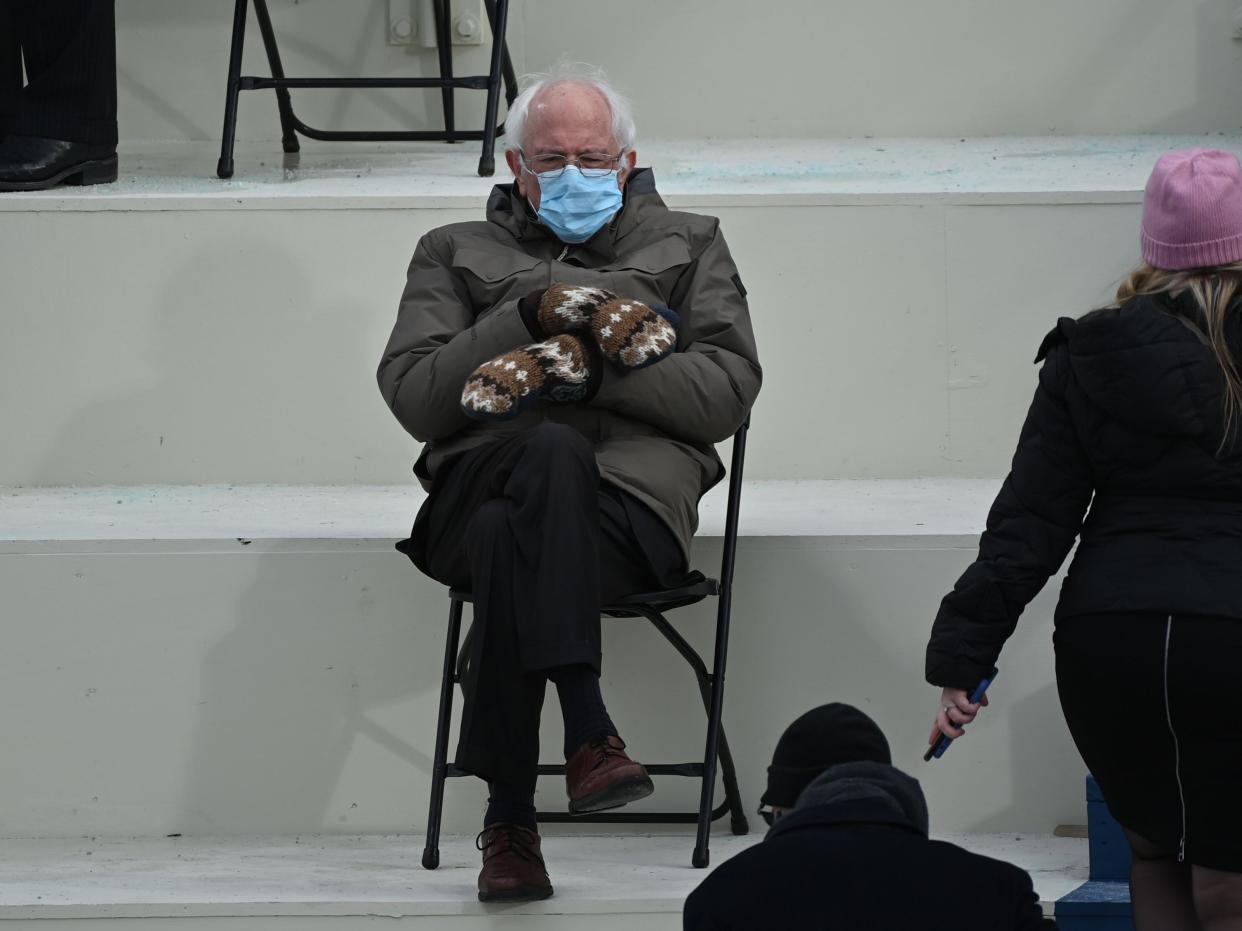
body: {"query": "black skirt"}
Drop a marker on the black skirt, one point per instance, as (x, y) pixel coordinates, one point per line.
(1154, 704)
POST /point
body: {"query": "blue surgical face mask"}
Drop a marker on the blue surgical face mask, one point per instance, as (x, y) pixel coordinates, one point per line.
(575, 206)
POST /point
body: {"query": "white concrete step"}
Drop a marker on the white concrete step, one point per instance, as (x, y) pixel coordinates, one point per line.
(175, 329)
(355, 881)
(692, 174)
(243, 661)
(859, 508)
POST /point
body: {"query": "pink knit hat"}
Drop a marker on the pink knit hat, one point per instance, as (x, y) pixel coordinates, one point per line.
(1192, 214)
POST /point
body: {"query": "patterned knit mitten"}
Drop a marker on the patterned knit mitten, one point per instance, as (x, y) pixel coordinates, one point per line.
(629, 333)
(559, 369)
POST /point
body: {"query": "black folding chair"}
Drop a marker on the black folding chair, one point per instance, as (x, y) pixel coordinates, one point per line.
(290, 125)
(711, 687)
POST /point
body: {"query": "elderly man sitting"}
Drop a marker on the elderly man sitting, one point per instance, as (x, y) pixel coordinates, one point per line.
(569, 363)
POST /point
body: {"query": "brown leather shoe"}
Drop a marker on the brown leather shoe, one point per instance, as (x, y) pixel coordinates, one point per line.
(513, 869)
(600, 776)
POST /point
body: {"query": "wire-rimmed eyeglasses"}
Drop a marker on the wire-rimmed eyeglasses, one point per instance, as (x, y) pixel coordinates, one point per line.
(551, 165)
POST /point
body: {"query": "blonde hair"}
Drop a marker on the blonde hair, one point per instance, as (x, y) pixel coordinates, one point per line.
(1216, 292)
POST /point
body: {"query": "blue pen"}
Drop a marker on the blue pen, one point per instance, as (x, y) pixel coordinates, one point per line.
(936, 750)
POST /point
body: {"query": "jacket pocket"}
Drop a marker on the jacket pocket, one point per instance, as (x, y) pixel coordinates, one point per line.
(493, 277)
(650, 273)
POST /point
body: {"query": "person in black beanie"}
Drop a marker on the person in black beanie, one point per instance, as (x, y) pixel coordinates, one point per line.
(848, 848)
(59, 127)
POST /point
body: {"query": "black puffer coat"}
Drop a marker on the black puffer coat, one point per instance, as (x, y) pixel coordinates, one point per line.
(1130, 408)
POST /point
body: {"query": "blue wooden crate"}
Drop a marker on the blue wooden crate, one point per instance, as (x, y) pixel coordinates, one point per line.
(1096, 906)
(1103, 903)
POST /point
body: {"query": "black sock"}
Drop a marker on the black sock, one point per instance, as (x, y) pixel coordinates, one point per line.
(510, 805)
(582, 705)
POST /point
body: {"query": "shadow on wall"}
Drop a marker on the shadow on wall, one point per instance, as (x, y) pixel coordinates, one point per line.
(330, 670)
(233, 361)
(318, 707)
(812, 625)
(859, 636)
(1036, 774)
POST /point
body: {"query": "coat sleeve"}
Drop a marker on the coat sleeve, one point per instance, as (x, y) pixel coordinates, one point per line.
(437, 342)
(1030, 530)
(698, 913)
(1028, 916)
(703, 392)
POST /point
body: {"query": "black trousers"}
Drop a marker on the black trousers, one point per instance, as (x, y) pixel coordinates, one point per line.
(69, 47)
(527, 525)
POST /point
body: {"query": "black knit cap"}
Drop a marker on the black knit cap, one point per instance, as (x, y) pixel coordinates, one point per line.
(823, 737)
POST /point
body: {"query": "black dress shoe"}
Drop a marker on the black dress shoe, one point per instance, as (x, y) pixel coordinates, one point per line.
(32, 163)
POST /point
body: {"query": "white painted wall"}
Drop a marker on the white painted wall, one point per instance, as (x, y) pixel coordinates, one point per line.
(211, 346)
(734, 67)
(291, 687)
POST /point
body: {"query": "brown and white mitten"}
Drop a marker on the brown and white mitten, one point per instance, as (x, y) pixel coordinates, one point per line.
(630, 334)
(563, 368)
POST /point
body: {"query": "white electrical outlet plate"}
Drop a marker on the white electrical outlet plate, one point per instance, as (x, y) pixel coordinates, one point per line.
(467, 18)
(413, 22)
(402, 22)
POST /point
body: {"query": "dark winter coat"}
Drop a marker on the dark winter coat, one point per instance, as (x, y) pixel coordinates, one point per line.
(854, 856)
(652, 429)
(1129, 409)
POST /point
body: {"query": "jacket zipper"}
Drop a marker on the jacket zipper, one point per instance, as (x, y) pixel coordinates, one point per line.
(1177, 754)
(564, 252)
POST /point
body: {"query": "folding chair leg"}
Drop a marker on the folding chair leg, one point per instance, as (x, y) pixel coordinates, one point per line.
(444, 44)
(431, 850)
(511, 81)
(224, 168)
(728, 774)
(715, 713)
(737, 816)
(497, 14)
(289, 136)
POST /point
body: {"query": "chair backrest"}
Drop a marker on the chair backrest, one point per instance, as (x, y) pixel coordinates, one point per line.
(737, 465)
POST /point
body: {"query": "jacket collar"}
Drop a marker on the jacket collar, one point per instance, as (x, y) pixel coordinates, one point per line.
(860, 811)
(510, 210)
(865, 791)
(1124, 358)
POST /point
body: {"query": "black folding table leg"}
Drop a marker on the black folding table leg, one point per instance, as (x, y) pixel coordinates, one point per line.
(498, 13)
(224, 168)
(431, 850)
(289, 136)
(444, 44)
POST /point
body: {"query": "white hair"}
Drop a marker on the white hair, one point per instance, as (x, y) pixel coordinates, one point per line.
(623, 129)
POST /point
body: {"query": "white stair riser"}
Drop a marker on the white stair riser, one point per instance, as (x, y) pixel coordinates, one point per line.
(240, 346)
(292, 687)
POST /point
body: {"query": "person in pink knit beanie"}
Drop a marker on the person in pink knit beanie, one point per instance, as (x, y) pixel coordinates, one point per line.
(1132, 448)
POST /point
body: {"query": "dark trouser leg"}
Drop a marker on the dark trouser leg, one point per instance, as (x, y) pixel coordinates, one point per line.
(10, 67)
(582, 706)
(525, 523)
(70, 52)
(499, 737)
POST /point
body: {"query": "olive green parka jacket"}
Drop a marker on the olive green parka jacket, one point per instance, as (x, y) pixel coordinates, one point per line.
(653, 429)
